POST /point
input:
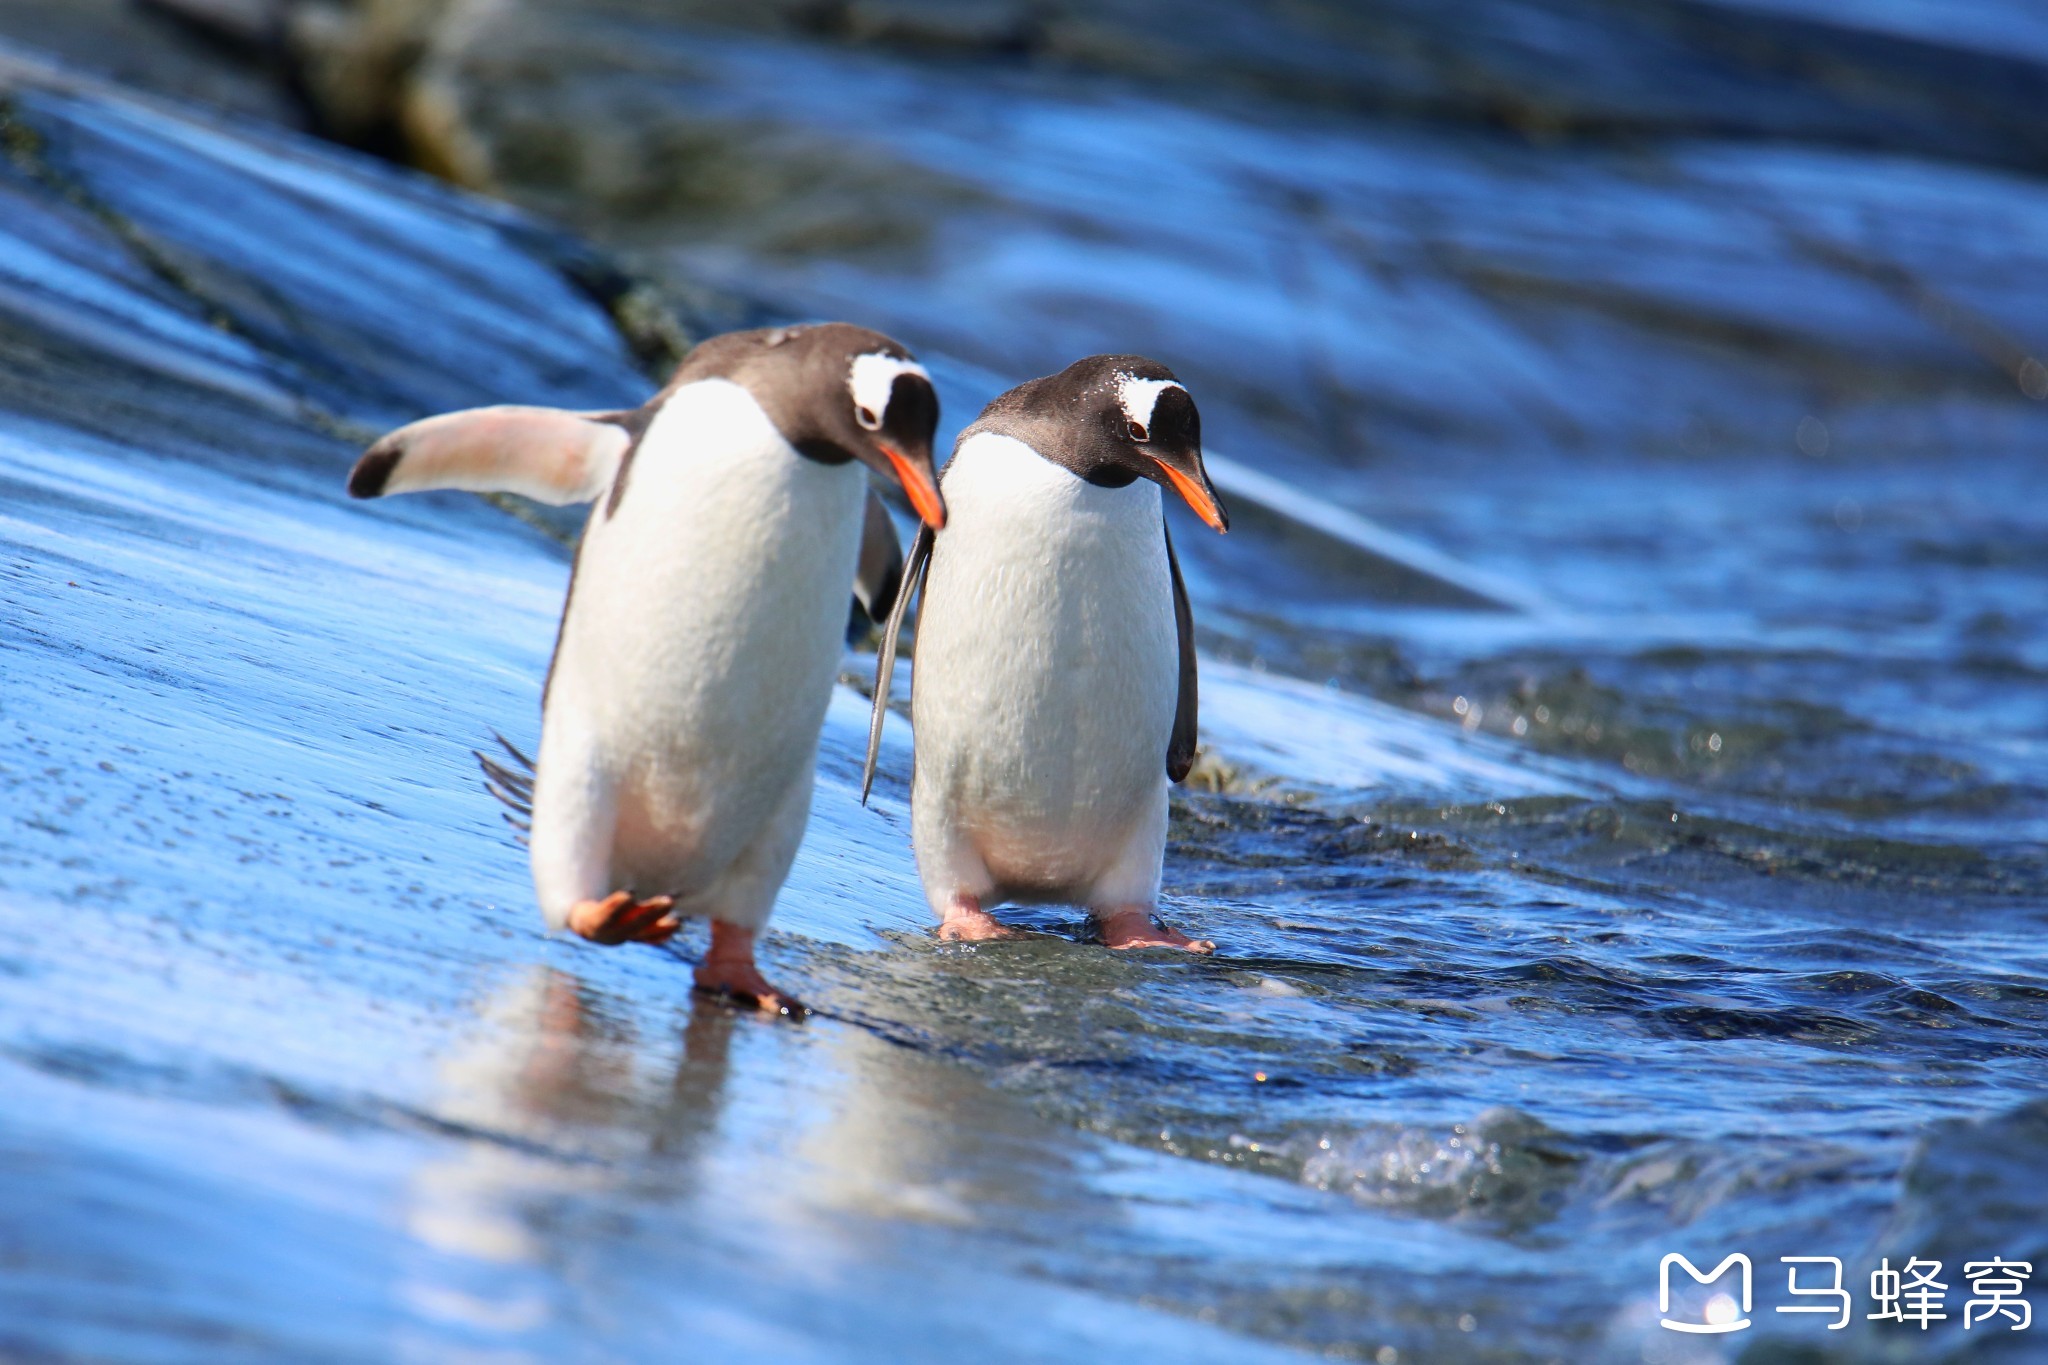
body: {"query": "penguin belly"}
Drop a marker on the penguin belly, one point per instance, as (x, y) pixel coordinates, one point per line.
(1044, 688)
(704, 627)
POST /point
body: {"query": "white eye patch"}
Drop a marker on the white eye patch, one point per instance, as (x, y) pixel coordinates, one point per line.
(872, 377)
(1139, 396)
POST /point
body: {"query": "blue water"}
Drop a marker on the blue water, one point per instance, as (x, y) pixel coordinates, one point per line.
(1698, 909)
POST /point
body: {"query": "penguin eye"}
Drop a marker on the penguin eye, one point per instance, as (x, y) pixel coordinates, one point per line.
(867, 418)
(1139, 434)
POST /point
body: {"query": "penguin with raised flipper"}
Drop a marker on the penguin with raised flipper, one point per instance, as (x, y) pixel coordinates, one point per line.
(704, 620)
(1054, 696)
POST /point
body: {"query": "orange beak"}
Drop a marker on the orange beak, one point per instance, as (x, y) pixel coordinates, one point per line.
(1198, 497)
(919, 488)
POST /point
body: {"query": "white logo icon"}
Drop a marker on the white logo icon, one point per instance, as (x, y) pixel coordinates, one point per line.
(1721, 1310)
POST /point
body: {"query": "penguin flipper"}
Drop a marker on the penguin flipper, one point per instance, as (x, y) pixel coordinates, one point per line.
(547, 454)
(880, 572)
(1180, 747)
(885, 664)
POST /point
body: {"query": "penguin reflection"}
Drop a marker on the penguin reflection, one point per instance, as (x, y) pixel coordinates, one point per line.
(563, 1100)
(608, 1167)
(554, 1067)
(570, 1102)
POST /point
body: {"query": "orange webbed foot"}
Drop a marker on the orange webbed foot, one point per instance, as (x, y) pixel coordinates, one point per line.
(619, 918)
(1138, 928)
(966, 922)
(728, 971)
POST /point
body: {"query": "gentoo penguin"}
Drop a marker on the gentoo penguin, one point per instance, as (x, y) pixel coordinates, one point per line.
(1054, 695)
(703, 624)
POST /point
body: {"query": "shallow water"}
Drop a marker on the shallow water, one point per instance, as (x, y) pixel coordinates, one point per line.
(1700, 910)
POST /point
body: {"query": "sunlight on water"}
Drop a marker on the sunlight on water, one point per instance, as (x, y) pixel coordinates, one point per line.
(1698, 909)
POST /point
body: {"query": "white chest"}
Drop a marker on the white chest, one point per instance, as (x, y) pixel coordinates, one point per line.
(706, 619)
(1047, 659)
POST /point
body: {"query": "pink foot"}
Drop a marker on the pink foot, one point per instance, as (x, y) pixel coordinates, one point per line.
(1135, 927)
(618, 918)
(967, 922)
(728, 970)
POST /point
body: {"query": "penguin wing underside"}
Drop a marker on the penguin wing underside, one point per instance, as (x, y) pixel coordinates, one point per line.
(885, 663)
(1180, 747)
(547, 454)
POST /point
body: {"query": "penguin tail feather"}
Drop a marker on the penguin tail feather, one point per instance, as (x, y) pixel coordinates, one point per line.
(526, 764)
(511, 785)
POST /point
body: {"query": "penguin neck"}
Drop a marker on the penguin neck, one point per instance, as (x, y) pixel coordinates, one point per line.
(1000, 479)
(713, 439)
(713, 482)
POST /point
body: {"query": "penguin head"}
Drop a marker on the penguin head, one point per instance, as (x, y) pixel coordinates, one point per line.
(837, 392)
(1156, 433)
(1115, 419)
(895, 412)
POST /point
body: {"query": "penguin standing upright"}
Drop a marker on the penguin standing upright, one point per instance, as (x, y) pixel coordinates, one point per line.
(1054, 695)
(704, 618)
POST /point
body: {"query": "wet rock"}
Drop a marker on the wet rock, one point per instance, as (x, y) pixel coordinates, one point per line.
(163, 281)
(1361, 250)
(1680, 230)
(1856, 74)
(983, 26)
(354, 59)
(214, 52)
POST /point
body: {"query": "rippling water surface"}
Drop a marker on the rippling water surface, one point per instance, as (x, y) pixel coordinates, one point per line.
(1700, 909)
